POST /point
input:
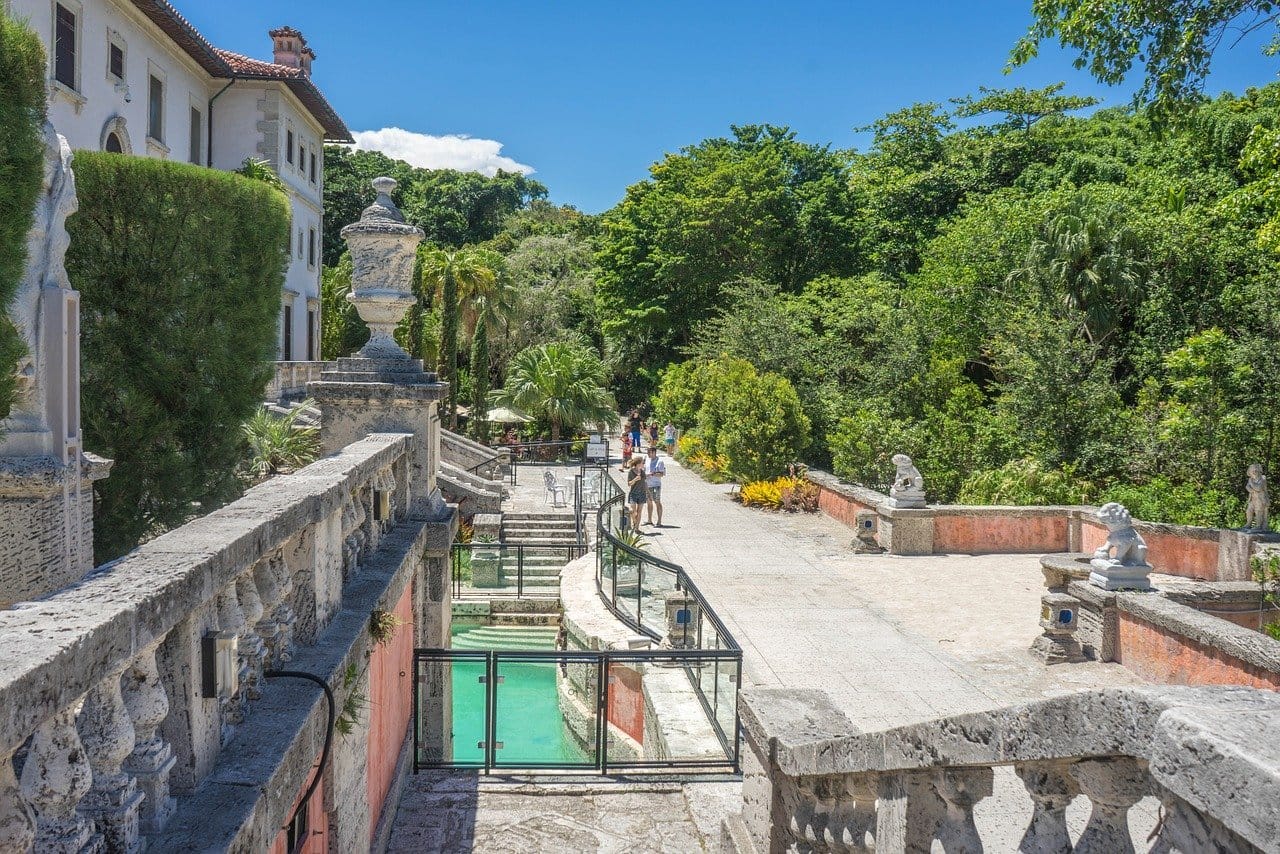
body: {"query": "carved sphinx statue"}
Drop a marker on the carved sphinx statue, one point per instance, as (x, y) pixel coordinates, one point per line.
(908, 483)
(1120, 563)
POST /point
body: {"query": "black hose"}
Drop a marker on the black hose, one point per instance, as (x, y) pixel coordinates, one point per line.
(328, 733)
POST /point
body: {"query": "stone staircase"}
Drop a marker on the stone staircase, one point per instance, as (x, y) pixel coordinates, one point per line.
(547, 538)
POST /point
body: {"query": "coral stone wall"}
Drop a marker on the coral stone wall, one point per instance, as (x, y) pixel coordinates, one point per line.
(1170, 551)
(839, 506)
(317, 841)
(1000, 534)
(1168, 658)
(390, 705)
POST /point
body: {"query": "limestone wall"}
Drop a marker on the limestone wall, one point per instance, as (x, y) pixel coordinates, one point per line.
(287, 577)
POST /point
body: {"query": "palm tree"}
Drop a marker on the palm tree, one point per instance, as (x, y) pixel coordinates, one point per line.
(488, 302)
(1089, 259)
(560, 382)
(447, 273)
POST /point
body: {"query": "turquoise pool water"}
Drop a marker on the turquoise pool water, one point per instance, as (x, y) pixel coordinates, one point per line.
(530, 725)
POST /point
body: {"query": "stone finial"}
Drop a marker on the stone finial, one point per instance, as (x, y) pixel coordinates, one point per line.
(1121, 562)
(1259, 506)
(383, 248)
(908, 484)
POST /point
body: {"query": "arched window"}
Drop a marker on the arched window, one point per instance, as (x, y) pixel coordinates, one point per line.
(113, 144)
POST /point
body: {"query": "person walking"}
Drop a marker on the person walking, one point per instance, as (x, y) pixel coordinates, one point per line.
(633, 427)
(654, 470)
(669, 438)
(637, 495)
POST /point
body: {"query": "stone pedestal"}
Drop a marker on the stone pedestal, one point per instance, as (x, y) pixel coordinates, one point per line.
(1111, 574)
(907, 532)
(486, 565)
(683, 619)
(1058, 618)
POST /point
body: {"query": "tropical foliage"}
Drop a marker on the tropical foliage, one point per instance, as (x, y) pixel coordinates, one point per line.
(560, 383)
(279, 444)
(180, 270)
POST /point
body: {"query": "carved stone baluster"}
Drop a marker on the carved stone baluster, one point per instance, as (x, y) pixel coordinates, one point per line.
(853, 814)
(55, 778)
(961, 789)
(909, 812)
(267, 583)
(805, 814)
(283, 613)
(106, 731)
(1186, 830)
(1113, 786)
(152, 758)
(252, 649)
(1052, 788)
(231, 619)
(17, 821)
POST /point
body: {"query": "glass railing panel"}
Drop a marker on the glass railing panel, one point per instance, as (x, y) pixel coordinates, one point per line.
(653, 698)
(451, 703)
(626, 583)
(545, 714)
(658, 584)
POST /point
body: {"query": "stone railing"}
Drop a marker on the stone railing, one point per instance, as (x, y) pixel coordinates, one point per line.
(813, 783)
(108, 711)
(290, 379)
(469, 454)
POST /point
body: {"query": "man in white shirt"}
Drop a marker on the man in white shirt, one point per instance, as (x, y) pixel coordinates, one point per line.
(654, 470)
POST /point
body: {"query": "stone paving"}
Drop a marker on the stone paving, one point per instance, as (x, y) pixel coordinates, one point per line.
(893, 640)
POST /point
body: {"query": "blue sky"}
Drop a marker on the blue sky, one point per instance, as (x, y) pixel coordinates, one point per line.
(590, 94)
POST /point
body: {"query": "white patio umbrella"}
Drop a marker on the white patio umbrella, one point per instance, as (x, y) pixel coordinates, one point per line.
(503, 415)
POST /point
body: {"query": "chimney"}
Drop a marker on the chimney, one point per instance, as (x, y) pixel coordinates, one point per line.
(308, 57)
(288, 46)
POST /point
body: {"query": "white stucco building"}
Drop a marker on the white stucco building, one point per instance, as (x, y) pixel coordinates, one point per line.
(134, 76)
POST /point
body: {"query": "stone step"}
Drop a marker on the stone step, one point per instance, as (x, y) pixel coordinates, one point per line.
(527, 516)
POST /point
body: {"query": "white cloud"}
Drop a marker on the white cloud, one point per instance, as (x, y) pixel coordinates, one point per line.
(452, 151)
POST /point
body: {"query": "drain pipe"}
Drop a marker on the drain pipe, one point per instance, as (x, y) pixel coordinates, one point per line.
(328, 733)
(208, 117)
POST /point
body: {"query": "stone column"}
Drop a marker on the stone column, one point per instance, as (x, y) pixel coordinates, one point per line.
(152, 758)
(909, 812)
(1112, 786)
(108, 736)
(1052, 789)
(17, 821)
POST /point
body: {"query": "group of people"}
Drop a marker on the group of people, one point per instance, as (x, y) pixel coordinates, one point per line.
(645, 473)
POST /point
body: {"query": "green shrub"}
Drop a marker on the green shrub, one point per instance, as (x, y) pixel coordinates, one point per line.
(22, 112)
(764, 428)
(280, 444)
(1024, 483)
(1161, 500)
(180, 270)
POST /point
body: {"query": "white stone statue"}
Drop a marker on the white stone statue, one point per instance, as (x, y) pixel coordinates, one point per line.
(908, 484)
(1121, 562)
(47, 243)
(1259, 505)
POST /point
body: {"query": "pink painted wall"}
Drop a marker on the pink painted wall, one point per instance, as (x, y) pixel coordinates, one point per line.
(318, 839)
(1169, 552)
(1171, 659)
(390, 705)
(964, 534)
(626, 701)
(842, 508)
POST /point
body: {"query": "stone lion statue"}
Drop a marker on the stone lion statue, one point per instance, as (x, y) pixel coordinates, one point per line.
(908, 477)
(1124, 544)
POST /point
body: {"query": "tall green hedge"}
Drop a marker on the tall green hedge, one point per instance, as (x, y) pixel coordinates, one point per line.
(22, 111)
(180, 270)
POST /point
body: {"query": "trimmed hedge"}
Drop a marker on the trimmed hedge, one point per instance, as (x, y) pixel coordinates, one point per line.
(180, 270)
(22, 112)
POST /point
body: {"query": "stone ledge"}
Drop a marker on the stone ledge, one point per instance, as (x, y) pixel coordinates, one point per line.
(328, 390)
(57, 648)
(861, 494)
(1253, 648)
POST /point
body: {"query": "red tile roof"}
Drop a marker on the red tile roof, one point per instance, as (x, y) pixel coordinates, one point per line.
(225, 64)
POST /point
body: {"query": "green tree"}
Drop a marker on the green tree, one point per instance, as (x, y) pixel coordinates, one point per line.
(560, 383)
(1175, 41)
(490, 301)
(449, 274)
(342, 332)
(180, 270)
(22, 113)
(765, 428)
(1022, 107)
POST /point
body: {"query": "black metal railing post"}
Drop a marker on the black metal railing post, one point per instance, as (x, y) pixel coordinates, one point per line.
(520, 571)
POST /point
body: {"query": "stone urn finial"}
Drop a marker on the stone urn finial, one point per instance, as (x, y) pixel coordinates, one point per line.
(382, 248)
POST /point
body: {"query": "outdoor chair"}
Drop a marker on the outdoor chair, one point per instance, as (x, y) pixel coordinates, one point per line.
(554, 489)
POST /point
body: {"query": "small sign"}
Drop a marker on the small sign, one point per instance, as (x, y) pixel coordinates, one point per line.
(597, 450)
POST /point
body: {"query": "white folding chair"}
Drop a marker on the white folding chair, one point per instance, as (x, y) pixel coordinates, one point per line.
(554, 489)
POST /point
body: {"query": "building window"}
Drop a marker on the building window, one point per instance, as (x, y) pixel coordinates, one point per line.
(313, 167)
(197, 134)
(311, 248)
(155, 109)
(115, 59)
(64, 46)
(288, 146)
(288, 334)
(302, 158)
(114, 145)
(311, 334)
(299, 244)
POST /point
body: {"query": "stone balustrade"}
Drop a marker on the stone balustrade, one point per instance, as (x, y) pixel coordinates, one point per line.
(289, 382)
(814, 783)
(458, 450)
(106, 737)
